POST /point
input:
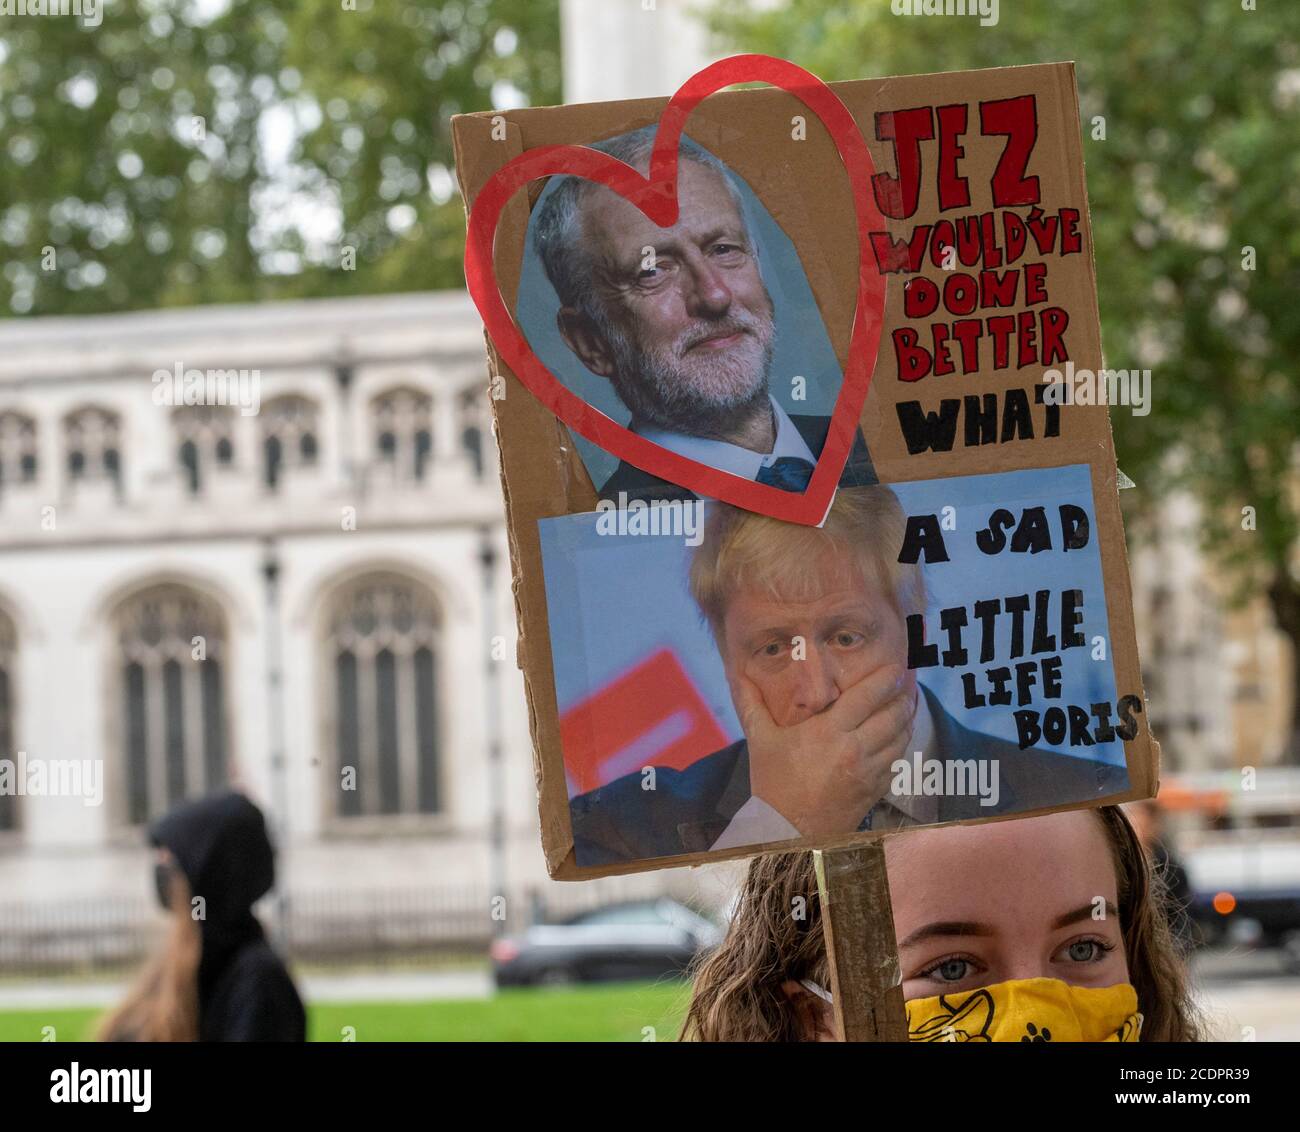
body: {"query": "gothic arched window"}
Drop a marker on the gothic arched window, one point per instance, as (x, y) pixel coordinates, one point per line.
(93, 439)
(171, 673)
(402, 426)
(204, 440)
(17, 449)
(290, 436)
(381, 650)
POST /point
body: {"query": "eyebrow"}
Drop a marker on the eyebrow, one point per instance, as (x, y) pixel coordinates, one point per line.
(946, 928)
(669, 246)
(1083, 912)
(970, 928)
(851, 616)
(733, 231)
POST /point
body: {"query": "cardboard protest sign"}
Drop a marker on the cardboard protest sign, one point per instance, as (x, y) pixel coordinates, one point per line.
(673, 645)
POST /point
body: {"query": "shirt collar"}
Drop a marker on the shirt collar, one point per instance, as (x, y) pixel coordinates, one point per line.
(733, 458)
(918, 807)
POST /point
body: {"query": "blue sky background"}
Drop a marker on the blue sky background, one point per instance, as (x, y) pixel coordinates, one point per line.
(803, 346)
(612, 601)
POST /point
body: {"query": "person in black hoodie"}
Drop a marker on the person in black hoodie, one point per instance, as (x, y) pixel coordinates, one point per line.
(216, 978)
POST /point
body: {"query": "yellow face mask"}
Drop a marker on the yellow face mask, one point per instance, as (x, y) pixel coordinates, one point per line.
(1027, 1010)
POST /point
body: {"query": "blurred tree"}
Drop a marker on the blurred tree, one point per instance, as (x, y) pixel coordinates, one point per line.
(185, 152)
(388, 83)
(1200, 165)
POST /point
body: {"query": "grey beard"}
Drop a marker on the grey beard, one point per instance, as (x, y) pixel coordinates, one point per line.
(676, 406)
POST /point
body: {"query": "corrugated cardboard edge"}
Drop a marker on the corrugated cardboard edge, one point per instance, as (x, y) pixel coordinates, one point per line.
(511, 146)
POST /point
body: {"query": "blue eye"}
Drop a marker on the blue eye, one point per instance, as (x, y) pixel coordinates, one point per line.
(950, 970)
(1085, 950)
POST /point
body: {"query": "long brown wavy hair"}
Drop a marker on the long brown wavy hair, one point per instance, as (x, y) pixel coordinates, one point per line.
(163, 1005)
(737, 996)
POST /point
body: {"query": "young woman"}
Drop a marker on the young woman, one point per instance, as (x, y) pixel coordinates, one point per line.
(1038, 929)
(215, 978)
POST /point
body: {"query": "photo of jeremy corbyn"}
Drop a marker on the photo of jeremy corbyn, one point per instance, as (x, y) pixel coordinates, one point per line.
(681, 323)
(810, 624)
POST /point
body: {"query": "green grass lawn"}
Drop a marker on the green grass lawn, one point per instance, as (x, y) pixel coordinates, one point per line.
(616, 1013)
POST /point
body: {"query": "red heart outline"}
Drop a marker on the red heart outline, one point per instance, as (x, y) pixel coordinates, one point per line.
(656, 197)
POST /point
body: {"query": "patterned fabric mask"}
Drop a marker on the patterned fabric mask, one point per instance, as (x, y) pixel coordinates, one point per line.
(1027, 1010)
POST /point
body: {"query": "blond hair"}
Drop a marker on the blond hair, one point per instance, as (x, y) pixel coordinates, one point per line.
(163, 1004)
(743, 549)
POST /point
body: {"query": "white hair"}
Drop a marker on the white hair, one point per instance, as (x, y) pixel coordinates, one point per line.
(555, 222)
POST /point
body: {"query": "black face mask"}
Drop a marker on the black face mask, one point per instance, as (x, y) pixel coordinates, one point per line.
(162, 879)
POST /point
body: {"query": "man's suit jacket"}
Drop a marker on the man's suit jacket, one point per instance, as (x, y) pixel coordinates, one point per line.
(636, 484)
(689, 809)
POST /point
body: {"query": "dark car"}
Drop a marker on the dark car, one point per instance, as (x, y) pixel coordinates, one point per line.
(644, 939)
(1265, 918)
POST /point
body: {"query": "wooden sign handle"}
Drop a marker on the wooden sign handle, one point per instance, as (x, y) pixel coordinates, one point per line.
(858, 922)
